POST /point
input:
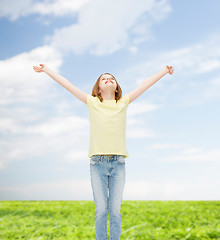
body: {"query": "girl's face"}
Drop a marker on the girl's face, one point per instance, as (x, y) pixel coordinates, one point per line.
(107, 83)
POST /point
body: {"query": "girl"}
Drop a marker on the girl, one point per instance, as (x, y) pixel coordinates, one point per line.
(107, 149)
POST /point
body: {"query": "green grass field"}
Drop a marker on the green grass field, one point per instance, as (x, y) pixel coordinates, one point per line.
(161, 220)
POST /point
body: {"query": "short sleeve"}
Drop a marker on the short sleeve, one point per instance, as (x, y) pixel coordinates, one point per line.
(126, 99)
(90, 100)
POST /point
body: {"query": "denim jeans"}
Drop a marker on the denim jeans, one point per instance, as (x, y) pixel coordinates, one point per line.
(107, 179)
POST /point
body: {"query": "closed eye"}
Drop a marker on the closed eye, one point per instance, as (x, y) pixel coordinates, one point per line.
(106, 79)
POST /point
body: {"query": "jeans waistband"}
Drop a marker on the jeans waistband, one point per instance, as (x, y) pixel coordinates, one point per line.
(110, 157)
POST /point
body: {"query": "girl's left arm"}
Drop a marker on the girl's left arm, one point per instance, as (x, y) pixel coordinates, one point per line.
(149, 82)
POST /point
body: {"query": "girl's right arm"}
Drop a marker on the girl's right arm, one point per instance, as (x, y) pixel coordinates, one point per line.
(63, 82)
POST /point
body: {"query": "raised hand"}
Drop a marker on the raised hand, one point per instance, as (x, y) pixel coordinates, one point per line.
(39, 69)
(169, 69)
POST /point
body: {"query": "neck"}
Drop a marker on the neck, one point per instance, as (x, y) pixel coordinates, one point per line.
(108, 96)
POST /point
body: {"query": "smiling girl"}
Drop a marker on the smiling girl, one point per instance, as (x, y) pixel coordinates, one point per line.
(107, 150)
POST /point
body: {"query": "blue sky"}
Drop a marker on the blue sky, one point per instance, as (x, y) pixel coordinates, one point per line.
(172, 128)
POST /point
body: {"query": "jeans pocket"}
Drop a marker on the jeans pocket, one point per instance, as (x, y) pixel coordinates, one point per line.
(94, 160)
(121, 159)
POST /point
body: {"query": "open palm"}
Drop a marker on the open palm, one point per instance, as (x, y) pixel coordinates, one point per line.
(39, 69)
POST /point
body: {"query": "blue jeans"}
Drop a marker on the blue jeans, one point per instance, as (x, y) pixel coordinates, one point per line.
(107, 180)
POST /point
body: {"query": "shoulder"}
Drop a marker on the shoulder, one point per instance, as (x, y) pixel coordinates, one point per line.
(125, 99)
(90, 99)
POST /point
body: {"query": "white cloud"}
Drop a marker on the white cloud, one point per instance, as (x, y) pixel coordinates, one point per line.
(37, 135)
(58, 7)
(133, 49)
(105, 26)
(57, 136)
(193, 155)
(212, 90)
(25, 100)
(14, 9)
(199, 58)
(22, 89)
(147, 190)
(140, 132)
(18, 80)
(52, 136)
(57, 126)
(136, 126)
(140, 107)
(134, 190)
(158, 146)
(188, 85)
(171, 190)
(75, 155)
(60, 190)
(192, 150)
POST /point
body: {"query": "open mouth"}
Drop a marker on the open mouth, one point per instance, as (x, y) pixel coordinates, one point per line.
(109, 81)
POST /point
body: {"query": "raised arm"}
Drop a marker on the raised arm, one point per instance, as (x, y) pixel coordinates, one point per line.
(149, 82)
(63, 82)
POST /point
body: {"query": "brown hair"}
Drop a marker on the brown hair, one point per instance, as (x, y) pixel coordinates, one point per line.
(95, 90)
